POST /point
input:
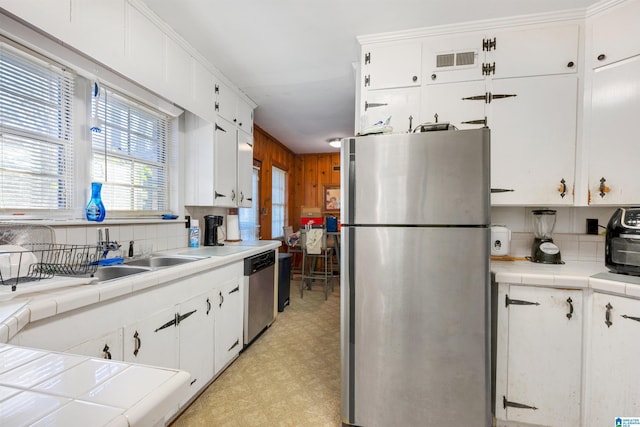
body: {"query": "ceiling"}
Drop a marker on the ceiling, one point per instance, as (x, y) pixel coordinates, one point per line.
(294, 58)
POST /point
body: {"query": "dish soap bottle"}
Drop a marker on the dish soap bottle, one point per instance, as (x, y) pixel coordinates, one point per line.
(95, 208)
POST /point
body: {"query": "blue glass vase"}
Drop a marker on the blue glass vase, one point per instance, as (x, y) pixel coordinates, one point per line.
(95, 208)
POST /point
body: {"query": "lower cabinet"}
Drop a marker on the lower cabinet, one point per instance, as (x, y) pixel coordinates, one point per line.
(613, 372)
(539, 355)
(108, 346)
(153, 340)
(228, 323)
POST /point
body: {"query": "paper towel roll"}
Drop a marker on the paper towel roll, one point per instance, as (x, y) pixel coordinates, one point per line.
(233, 230)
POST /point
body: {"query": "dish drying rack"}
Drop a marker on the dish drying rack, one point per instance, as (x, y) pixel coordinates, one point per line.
(30, 254)
(44, 260)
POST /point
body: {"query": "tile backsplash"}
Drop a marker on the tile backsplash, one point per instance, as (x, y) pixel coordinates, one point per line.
(573, 247)
(160, 236)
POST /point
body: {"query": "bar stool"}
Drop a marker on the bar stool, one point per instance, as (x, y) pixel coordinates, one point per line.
(315, 250)
(294, 247)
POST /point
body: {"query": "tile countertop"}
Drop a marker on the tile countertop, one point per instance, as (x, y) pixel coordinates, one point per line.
(43, 388)
(572, 274)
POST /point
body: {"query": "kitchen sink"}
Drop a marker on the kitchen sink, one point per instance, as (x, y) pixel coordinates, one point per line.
(161, 261)
(117, 271)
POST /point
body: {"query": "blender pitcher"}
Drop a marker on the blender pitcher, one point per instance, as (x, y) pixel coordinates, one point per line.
(543, 249)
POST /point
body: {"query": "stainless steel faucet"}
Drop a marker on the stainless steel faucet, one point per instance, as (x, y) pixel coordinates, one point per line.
(105, 244)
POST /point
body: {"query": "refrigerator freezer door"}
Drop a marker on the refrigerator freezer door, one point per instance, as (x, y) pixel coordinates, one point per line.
(415, 322)
(429, 178)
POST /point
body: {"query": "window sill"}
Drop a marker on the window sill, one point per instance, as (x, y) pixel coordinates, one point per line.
(84, 222)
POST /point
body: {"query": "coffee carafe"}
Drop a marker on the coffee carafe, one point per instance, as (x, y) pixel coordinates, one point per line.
(211, 224)
(544, 250)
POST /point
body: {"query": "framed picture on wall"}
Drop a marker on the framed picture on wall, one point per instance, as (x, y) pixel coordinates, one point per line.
(332, 198)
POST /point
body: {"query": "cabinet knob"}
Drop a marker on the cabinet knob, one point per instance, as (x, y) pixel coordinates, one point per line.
(434, 76)
(414, 78)
(601, 57)
(570, 64)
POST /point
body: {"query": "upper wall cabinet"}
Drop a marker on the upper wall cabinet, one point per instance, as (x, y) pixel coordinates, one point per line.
(202, 90)
(229, 106)
(447, 59)
(177, 72)
(615, 34)
(52, 16)
(391, 66)
(145, 50)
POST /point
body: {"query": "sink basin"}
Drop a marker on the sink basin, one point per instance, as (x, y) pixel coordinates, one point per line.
(117, 271)
(161, 261)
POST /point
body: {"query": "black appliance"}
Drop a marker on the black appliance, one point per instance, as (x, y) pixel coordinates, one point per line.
(622, 242)
(543, 249)
(211, 224)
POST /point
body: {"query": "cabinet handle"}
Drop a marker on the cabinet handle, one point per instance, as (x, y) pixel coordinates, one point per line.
(241, 197)
(233, 195)
(508, 301)
(506, 403)
(106, 354)
(601, 57)
(607, 315)
(240, 124)
(637, 319)
(221, 299)
(570, 313)
(219, 128)
(235, 344)
(603, 188)
(138, 343)
(208, 306)
(563, 188)
(236, 289)
(216, 195)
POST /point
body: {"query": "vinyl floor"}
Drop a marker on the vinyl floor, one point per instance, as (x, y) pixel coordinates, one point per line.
(289, 376)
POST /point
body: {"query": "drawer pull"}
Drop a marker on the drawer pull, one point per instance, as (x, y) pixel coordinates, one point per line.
(570, 313)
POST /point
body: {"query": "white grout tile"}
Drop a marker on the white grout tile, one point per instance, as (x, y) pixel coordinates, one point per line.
(76, 298)
(27, 407)
(37, 371)
(76, 411)
(41, 307)
(16, 356)
(80, 378)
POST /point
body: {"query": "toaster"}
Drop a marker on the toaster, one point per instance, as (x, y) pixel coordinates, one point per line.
(622, 242)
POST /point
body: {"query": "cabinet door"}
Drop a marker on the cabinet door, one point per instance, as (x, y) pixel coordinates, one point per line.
(245, 169)
(245, 117)
(402, 105)
(532, 144)
(390, 66)
(178, 77)
(50, 16)
(539, 355)
(107, 346)
(615, 34)
(447, 59)
(202, 90)
(614, 370)
(535, 51)
(225, 164)
(450, 102)
(144, 50)
(153, 340)
(199, 154)
(229, 320)
(196, 330)
(613, 147)
(226, 102)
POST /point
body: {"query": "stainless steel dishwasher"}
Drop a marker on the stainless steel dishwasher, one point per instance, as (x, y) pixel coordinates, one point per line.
(259, 294)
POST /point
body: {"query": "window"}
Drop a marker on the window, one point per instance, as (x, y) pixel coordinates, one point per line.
(129, 143)
(36, 145)
(249, 218)
(279, 202)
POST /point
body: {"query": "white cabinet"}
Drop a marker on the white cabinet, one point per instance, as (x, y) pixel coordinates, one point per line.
(613, 142)
(196, 332)
(229, 319)
(153, 340)
(231, 107)
(402, 105)
(245, 170)
(108, 346)
(391, 65)
(144, 50)
(52, 16)
(178, 77)
(245, 117)
(211, 156)
(613, 370)
(615, 34)
(538, 360)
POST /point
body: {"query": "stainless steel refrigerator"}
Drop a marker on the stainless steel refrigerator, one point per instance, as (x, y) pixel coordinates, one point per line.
(415, 279)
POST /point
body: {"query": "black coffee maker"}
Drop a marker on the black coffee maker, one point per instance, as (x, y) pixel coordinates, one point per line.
(211, 224)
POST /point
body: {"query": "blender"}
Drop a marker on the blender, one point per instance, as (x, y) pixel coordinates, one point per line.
(544, 250)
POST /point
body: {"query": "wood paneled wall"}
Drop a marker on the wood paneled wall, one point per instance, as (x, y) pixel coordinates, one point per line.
(307, 174)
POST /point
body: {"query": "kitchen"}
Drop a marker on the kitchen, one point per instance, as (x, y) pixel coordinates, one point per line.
(584, 188)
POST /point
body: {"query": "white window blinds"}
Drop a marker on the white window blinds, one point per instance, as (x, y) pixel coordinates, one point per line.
(36, 146)
(129, 153)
